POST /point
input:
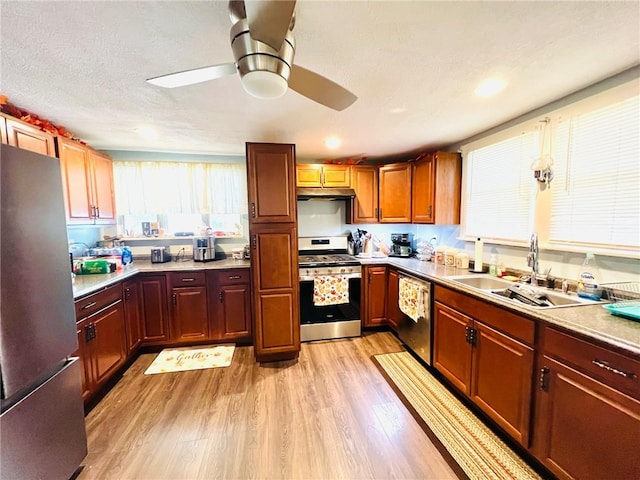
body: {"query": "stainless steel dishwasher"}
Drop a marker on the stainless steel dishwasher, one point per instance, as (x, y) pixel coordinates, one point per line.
(417, 335)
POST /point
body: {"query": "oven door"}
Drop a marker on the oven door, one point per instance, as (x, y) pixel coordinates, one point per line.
(329, 321)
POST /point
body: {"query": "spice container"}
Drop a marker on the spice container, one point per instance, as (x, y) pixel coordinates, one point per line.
(462, 260)
(450, 257)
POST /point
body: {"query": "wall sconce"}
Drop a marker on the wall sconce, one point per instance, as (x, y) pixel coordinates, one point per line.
(542, 166)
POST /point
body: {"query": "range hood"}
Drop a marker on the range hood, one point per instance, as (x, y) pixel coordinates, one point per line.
(332, 193)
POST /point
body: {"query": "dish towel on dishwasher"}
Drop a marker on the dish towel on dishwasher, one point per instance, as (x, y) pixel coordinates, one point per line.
(411, 299)
(330, 290)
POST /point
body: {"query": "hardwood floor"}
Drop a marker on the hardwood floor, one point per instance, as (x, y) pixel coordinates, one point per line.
(329, 415)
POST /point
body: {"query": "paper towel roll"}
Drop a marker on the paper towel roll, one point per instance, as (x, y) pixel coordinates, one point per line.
(477, 265)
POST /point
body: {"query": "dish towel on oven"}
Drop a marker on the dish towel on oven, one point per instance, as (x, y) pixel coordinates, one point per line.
(330, 290)
(411, 299)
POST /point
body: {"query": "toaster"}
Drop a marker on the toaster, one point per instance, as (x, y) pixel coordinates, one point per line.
(160, 254)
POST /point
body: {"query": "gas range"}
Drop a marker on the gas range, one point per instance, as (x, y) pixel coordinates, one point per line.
(325, 256)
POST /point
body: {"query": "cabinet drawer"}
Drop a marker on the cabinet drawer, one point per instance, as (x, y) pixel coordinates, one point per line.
(233, 277)
(186, 279)
(97, 301)
(614, 369)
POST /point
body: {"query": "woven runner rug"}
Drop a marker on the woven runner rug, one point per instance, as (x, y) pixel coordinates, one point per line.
(476, 449)
(192, 358)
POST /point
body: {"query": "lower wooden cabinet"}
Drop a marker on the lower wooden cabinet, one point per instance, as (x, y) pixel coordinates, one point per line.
(393, 313)
(101, 338)
(486, 353)
(230, 304)
(587, 415)
(188, 307)
(132, 314)
(153, 301)
(374, 292)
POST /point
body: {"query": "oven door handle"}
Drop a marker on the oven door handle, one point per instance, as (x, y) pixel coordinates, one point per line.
(310, 278)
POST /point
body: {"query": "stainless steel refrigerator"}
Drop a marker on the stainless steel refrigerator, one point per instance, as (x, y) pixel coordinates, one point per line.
(42, 431)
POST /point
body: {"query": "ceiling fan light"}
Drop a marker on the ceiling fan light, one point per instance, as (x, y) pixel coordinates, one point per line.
(263, 84)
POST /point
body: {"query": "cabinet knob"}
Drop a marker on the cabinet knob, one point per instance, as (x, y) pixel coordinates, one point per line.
(189, 279)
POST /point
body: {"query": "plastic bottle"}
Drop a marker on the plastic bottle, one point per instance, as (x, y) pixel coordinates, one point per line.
(589, 279)
(126, 256)
(493, 265)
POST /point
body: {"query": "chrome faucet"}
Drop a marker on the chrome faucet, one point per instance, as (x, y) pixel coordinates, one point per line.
(532, 258)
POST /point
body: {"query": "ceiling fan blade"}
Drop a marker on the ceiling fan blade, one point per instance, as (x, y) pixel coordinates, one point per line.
(269, 20)
(195, 75)
(320, 89)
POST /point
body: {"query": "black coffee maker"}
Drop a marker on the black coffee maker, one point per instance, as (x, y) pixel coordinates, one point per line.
(401, 244)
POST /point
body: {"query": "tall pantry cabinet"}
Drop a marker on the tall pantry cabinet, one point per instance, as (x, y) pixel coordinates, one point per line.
(274, 250)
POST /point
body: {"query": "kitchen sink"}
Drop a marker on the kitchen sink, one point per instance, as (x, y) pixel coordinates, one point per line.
(481, 281)
(523, 294)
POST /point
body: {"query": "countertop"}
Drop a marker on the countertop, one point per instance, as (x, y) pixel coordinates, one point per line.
(591, 321)
(86, 284)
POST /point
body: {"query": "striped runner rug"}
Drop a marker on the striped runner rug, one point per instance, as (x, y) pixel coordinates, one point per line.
(476, 449)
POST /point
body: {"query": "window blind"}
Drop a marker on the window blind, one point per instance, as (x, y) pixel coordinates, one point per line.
(596, 189)
(499, 189)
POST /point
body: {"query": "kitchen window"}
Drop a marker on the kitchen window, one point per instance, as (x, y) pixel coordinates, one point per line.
(593, 201)
(181, 196)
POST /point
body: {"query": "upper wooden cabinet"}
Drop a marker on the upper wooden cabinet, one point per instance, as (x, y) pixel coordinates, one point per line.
(274, 260)
(271, 183)
(364, 207)
(436, 189)
(310, 175)
(395, 193)
(28, 137)
(87, 180)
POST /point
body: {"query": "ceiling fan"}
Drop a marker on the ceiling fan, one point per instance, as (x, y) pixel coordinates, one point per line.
(263, 47)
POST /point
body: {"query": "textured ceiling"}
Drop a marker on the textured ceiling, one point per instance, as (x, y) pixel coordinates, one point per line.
(413, 65)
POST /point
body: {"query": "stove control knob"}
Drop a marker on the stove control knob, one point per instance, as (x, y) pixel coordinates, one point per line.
(329, 270)
(342, 270)
(315, 271)
(350, 270)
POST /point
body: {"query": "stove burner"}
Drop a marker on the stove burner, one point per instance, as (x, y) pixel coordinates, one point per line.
(326, 260)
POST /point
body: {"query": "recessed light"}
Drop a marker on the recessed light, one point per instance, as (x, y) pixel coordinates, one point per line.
(146, 132)
(490, 87)
(332, 142)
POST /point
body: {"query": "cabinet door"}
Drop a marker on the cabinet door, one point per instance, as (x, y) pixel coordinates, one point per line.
(375, 279)
(31, 138)
(272, 188)
(423, 194)
(132, 314)
(364, 181)
(336, 176)
(109, 343)
(189, 314)
(102, 188)
(501, 380)
(451, 350)
(155, 319)
(584, 428)
(86, 367)
(395, 193)
(448, 181)
(394, 314)
(276, 291)
(308, 175)
(234, 312)
(76, 183)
